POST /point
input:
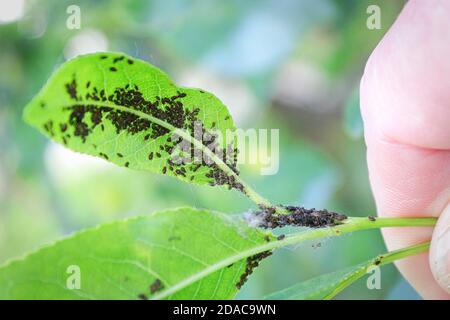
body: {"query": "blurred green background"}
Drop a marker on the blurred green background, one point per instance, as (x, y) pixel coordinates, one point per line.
(294, 65)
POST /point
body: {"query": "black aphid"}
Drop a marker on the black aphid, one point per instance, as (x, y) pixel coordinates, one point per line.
(113, 69)
(63, 127)
(117, 59)
(281, 237)
(48, 126)
(71, 89)
(378, 261)
(101, 154)
(157, 285)
(142, 296)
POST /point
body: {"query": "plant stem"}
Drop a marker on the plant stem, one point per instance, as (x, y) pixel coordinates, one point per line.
(403, 253)
(380, 260)
(353, 224)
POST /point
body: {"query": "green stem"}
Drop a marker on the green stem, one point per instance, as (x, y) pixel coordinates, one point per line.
(402, 253)
(379, 261)
(348, 226)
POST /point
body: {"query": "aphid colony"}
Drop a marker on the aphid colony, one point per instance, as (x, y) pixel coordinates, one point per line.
(170, 110)
(298, 216)
(252, 263)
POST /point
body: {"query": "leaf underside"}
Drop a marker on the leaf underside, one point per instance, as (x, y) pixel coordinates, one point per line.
(317, 288)
(178, 254)
(130, 113)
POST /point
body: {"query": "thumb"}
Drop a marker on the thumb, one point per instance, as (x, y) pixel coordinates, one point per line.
(405, 103)
(440, 250)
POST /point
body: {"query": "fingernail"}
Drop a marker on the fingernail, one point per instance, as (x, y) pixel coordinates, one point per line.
(440, 250)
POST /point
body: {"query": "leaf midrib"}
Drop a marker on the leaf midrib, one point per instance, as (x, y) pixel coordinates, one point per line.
(170, 127)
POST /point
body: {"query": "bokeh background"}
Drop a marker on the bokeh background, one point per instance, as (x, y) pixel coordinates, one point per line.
(294, 65)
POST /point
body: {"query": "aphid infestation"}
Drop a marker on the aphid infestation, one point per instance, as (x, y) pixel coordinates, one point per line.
(127, 110)
(157, 125)
(224, 150)
(146, 122)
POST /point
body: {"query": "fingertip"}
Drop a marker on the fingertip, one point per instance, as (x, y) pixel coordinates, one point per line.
(440, 251)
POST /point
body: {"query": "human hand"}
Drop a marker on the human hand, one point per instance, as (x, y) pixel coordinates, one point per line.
(405, 103)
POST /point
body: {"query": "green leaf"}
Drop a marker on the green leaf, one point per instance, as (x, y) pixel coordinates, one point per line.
(130, 113)
(322, 286)
(329, 285)
(178, 254)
